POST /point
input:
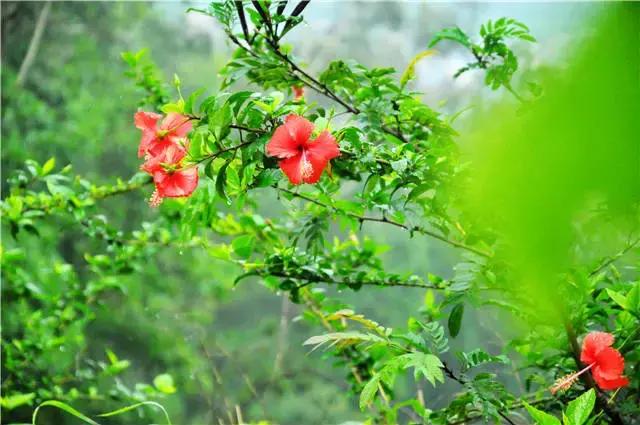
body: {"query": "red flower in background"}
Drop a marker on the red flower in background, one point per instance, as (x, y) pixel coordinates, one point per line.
(164, 147)
(156, 138)
(298, 92)
(605, 362)
(170, 179)
(303, 160)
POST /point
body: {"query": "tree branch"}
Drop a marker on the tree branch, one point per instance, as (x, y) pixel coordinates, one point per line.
(319, 279)
(614, 258)
(34, 44)
(417, 229)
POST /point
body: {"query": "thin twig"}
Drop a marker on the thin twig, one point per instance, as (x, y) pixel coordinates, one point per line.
(221, 151)
(417, 229)
(318, 279)
(34, 44)
(462, 381)
(243, 19)
(612, 259)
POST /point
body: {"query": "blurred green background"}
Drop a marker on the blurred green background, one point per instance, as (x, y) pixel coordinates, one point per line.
(177, 314)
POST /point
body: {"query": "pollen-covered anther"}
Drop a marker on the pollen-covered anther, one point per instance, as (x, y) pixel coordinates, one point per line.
(155, 200)
(567, 381)
(306, 168)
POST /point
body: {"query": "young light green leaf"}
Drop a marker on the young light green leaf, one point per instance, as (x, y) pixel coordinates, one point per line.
(369, 392)
(578, 410)
(62, 406)
(243, 246)
(16, 400)
(410, 73)
(453, 34)
(620, 299)
(633, 298)
(135, 406)
(343, 338)
(426, 365)
(48, 166)
(541, 418)
(164, 383)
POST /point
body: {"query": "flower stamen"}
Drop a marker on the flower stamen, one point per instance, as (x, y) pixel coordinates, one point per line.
(155, 200)
(306, 168)
(567, 381)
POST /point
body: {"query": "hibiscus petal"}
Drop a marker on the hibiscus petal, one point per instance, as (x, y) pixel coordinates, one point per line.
(170, 151)
(324, 146)
(611, 384)
(163, 152)
(314, 167)
(291, 167)
(152, 165)
(146, 120)
(592, 344)
(299, 127)
(177, 184)
(282, 145)
(177, 125)
(609, 363)
(146, 142)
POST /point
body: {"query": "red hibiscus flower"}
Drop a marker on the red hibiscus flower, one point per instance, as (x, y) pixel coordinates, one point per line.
(169, 176)
(298, 92)
(302, 159)
(605, 362)
(156, 139)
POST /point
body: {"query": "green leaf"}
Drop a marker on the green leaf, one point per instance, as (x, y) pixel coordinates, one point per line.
(633, 298)
(208, 169)
(48, 166)
(400, 165)
(243, 246)
(479, 357)
(277, 97)
(426, 365)
(15, 400)
(410, 72)
(369, 392)
(267, 178)
(455, 319)
(578, 410)
(116, 365)
(111, 356)
(62, 406)
(220, 122)
(164, 383)
(177, 107)
(342, 338)
(541, 418)
(135, 406)
(453, 34)
(191, 100)
(221, 181)
(619, 299)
